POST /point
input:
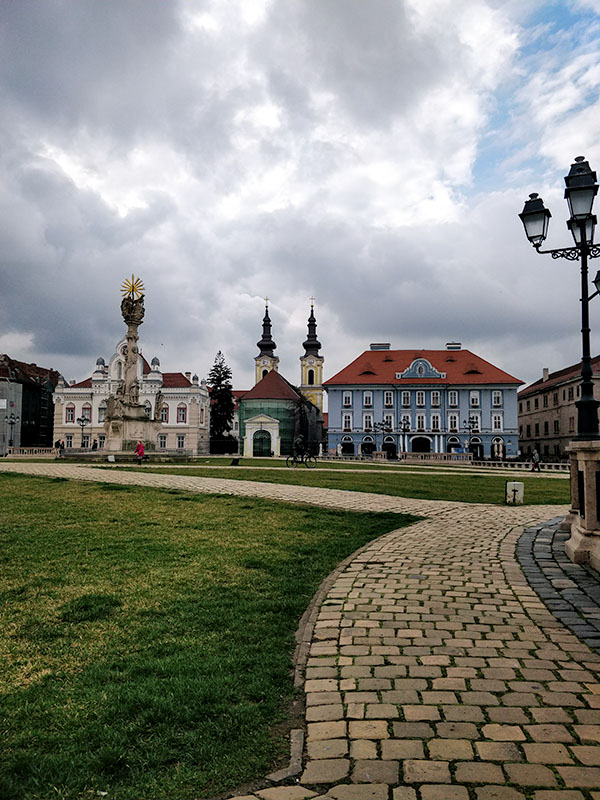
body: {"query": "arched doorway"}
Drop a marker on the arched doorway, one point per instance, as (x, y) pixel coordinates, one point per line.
(476, 448)
(453, 443)
(389, 447)
(347, 446)
(420, 444)
(261, 444)
(498, 448)
(367, 446)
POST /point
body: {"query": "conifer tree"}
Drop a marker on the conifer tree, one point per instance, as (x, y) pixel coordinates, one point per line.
(221, 403)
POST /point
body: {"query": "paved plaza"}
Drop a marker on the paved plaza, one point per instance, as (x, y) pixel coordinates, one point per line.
(432, 669)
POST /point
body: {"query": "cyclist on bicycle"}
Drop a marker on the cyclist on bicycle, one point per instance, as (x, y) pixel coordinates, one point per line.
(298, 446)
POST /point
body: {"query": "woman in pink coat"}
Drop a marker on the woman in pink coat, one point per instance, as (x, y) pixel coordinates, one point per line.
(139, 451)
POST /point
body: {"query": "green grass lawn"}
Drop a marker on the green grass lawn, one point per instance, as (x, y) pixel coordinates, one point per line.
(426, 485)
(146, 636)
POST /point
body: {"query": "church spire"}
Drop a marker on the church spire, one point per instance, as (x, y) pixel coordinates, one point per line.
(266, 345)
(312, 345)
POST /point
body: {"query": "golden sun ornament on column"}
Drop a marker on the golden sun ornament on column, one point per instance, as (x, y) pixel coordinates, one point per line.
(133, 288)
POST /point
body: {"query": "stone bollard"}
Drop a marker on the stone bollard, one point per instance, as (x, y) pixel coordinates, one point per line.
(514, 493)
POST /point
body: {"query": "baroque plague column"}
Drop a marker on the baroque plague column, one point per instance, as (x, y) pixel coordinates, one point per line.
(126, 420)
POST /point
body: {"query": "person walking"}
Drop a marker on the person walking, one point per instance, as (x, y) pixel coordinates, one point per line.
(139, 451)
(535, 462)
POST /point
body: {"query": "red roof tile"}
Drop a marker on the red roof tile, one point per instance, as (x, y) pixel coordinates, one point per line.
(380, 367)
(86, 384)
(560, 376)
(272, 387)
(175, 380)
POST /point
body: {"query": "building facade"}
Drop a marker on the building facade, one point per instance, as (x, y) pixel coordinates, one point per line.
(547, 411)
(422, 401)
(180, 402)
(26, 409)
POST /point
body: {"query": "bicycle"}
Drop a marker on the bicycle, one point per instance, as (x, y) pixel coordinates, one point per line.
(307, 459)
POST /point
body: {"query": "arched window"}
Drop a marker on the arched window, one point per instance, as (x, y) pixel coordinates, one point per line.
(70, 413)
(311, 377)
(182, 412)
(265, 372)
(164, 414)
(148, 408)
(86, 412)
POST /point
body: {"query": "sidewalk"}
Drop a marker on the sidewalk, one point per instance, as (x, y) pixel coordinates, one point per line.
(434, 671)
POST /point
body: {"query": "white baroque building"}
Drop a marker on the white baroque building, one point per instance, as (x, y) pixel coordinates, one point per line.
(178, 401)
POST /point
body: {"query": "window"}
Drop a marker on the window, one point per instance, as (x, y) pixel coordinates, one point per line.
(555, 399)
(420, 422)
(406, 399)
(556, 426)
(537, 428)
(368, 422)
(556, 449)
(475, 421)
(474, 398)
(497, 422)
(347, 400)
(311, 377)
(497, 399)
(70, 413)
(119, 370)
(388, 422)
(85, 440)
(406, 421)
(388, 399)
(162, 441)
(101, 441)
(546, 428)
(453, 398)
(164, 414)
(571, 424)
(180, 441)
(101, 411)
(148, 409)
(201, 415)
(453, 422)
(545, 401)
(529, 405)
(536, 402)
(435, 399)
(347, 422)
(520, 408)
(435, 422)
(86, 412)
(564, 395)
(367, 399)
(529, 431)
(420, 399)
(521, 431)
(69, 440)
(182, 412)
(570, 393)
(546, 449)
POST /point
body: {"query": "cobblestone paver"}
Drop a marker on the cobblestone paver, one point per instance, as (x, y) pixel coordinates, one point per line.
(435, 671)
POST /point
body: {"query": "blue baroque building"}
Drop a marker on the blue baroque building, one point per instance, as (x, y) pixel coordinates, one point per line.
(423, 401)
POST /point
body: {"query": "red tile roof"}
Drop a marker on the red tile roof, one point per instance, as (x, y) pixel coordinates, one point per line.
(272, 387)
(86, 384)
(175, 380)
(22, 371)
(380, 367)
(558, 377)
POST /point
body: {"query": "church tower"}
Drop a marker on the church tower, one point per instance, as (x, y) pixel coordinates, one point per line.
(311, 363)
(266, 360)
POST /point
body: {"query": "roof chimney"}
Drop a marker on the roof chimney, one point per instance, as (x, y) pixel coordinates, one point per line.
(188, 375)
(545, 374)
(453, 346)
(379, 346)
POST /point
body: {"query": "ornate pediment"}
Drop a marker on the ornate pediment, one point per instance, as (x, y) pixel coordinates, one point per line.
(420, 369)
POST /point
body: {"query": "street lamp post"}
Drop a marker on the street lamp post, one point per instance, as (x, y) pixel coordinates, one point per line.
(82, 422)
(470, 425)
(580, 192)
(405, 430)
(11, 420)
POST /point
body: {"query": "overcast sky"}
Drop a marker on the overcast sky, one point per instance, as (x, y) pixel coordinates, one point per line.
(373, 154)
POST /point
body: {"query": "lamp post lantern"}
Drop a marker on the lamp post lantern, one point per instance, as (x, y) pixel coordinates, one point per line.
(581, 188)
(11, 420)
(82, 422)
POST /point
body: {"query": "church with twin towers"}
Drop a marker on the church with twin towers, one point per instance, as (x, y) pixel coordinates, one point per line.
(275, 411)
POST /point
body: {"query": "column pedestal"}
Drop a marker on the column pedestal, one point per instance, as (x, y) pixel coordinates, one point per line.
(584, 545)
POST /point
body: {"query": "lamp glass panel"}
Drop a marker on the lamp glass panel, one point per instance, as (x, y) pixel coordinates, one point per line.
(581, 200)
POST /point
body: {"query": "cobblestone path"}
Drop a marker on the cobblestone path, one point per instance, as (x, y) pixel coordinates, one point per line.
(434, 670)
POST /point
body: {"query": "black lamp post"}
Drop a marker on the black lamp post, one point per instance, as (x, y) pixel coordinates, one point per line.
(82, 422)
(11, 420)
(580, 192)
(469, 426)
